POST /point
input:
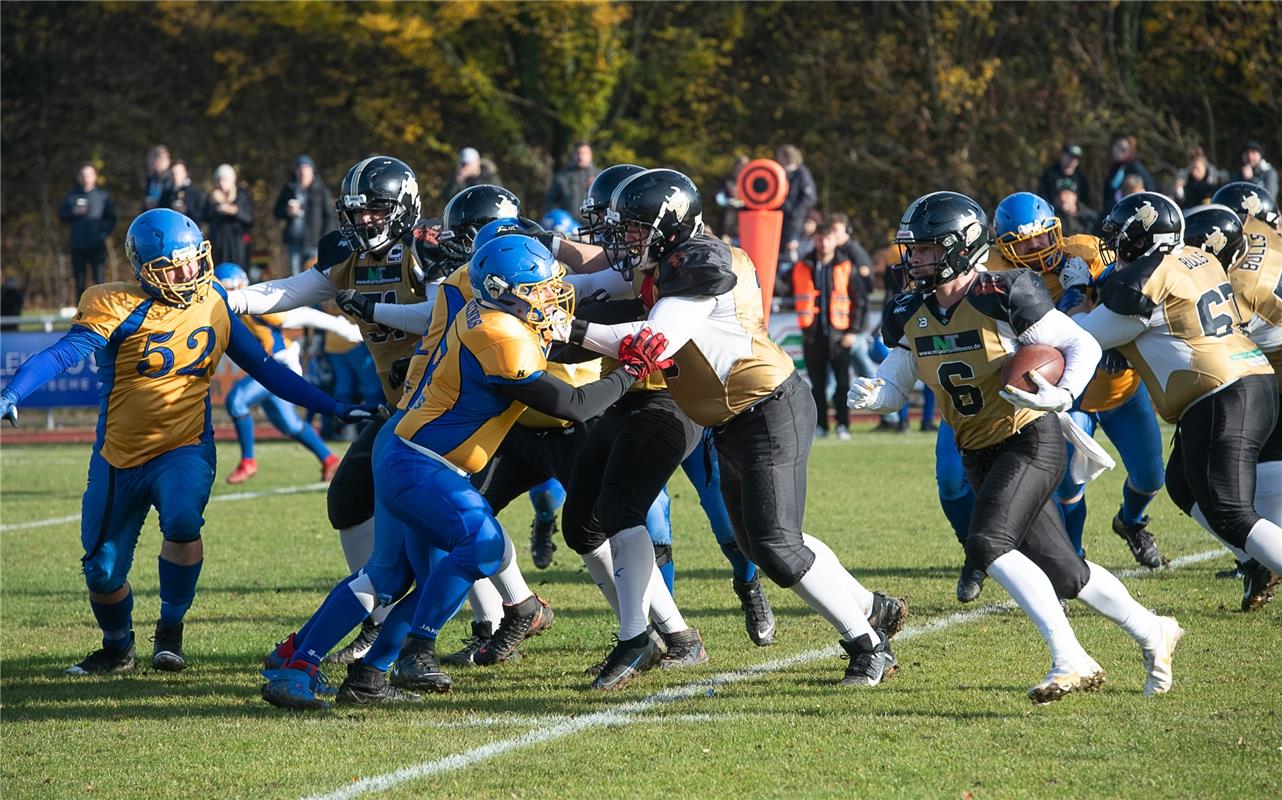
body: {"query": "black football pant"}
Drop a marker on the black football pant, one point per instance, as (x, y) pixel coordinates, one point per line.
(86, 267)
(1272, 449)
(627, 457)
(1218, 442)
(822, 353)
(1014, 484)
(350, 498)
(526, 458)
(763, 453)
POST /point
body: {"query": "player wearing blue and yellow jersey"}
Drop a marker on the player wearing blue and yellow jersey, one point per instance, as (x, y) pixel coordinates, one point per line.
(157, 343)
(487, 366)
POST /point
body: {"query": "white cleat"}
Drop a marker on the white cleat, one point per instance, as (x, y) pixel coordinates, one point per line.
(1085, 676)
(1157, 659)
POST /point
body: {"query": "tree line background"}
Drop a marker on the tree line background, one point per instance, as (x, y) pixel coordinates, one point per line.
(887, 100)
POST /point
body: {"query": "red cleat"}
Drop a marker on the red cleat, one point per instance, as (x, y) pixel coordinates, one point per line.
(246, 469)
(329, 466)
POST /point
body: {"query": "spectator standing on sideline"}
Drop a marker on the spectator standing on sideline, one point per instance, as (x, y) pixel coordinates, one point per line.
(570, 184)
(862, 286)
(306, 207)
(729, 202)
(1066, 173)
(1195, 184)
(229, 211)
(12, 297)
(823, 289)
(1256, 170)
(472, 170)
(1073, 216)
(157, 176)
(802, 197)
(1126, 163)
(181, 194)
(91, 214)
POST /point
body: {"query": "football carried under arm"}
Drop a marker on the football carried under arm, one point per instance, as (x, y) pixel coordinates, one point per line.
(1081, 355)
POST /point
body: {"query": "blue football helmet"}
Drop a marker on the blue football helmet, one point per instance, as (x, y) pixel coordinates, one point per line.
(518, 275)
(503, 226)
(1027, 231)
(231, 276)
(558, 220)
(171, 257)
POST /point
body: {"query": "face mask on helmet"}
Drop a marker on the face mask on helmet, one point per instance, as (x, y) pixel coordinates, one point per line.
(171, 258)
(1143, 224)
(628, 244)
(1028, 233)
(365, 223)
(941, 237)
(517, 275)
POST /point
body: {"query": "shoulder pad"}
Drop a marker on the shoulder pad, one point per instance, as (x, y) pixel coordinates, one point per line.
(1123, 291)
(893, 322)
(1016, 296)
(700, 267)
(331, 251)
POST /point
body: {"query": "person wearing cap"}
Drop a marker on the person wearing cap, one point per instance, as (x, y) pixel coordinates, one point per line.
(1256, 170)
(472, 170)
(1065, 173)
(306, 208)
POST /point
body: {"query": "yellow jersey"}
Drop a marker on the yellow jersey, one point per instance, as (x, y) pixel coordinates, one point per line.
(1257, 286)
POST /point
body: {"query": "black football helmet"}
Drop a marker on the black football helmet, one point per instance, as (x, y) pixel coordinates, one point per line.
(955, 223)
(469, 210)
(1217, 230)
(1141, 224)
(1248, 200)
(650, 214)
(597, 202)
(377, 203)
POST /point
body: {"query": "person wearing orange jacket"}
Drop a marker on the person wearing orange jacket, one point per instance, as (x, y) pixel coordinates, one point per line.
(825, 294)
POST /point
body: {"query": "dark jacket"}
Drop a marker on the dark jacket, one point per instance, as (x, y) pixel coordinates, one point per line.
(1053, 180)
(317, 217)
(861, 286)
(569, 187)
(189, 200)
(488, 174)
(1084, 221)
(89, 230)
(229, 234)
(1119, 173)
(1264, 176)
(802, 196)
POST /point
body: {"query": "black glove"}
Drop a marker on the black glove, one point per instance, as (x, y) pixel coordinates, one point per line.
(356, 304)
(400, 368)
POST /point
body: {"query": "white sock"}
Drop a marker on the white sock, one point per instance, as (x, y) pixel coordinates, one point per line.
(1238, 553)
(856, 589)
(509, 580)
(486, 603)
(600, 564)
(358, 543)
(825, 588)
(1268, 491)
(380, 612)
(1032, 591)
(633, 567)
(1265, 543)
(663, 608)
(1108, 597)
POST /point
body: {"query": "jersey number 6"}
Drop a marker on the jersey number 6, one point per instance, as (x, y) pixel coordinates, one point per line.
(152, 348)
(966, 397)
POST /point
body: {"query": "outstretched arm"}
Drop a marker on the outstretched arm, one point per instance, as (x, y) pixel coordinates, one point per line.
(307, 288)
(677, 318)
(48, 364)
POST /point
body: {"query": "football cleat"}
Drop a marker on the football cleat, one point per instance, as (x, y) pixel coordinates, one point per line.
(1060, 681)
(530, 617)
(887, 615)
(758, 617)
(1157, 659)
(246, 469)
(685, 649)
(542, 544)
(655, 638)
(1258, 585)
(417, 669)
(1139, 540)
(167, 651)
(281, 654)
(358, 646)
(329, 467)
(466, 657)
(870, 663)
(1234, 572)
(297, 685)
(969, 584)
(628, 659)
(106, 661)
(367, 686)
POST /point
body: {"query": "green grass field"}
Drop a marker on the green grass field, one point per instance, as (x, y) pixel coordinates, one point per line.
(752, 723)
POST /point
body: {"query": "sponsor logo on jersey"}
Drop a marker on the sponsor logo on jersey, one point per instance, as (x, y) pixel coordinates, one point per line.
(375, 274)
(921, 322)
(947, 344)
(395, 255)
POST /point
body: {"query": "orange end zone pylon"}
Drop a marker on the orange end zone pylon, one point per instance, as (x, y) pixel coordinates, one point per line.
(763, 186)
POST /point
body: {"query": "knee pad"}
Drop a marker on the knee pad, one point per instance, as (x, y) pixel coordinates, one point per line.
(488, 542)
(614, 517)
(1068, 583)
(236, 405)
(350, 497)
(183, 527)
(783, 565)
(100, 577)
(1231, 522)
(582, 535)
(982, 551)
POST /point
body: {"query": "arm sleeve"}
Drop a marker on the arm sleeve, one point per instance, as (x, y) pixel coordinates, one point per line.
(677, 318)
(412, 317)
(307, 288)
(899, 372)
(1109, 328)
(556, 398)
(610, 281)
(245, 350)
(306, 317)
(54, 360)
(1081, 352)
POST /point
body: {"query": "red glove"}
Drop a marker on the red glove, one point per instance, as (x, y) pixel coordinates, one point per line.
(639, 355)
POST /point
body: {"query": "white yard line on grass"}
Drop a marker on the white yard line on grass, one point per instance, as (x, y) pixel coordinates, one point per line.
(218, 498)
(631, 712)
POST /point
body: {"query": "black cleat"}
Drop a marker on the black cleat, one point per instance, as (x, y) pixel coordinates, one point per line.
(167, 653)
(1143, 547)
(1232, 573)
(595, 669)
(368, 686)
(685, 649)
(417, 669)
(758, 617)
(870, 663)
(481, 633)
(530, 617)
(1258, 585)
(628, 659)
(357, 647)
(887, 615)
(106, 661)
(969, 584)
(542, 544)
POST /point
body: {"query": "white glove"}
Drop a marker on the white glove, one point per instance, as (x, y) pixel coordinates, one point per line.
(1075, 272)
(1048, 397)
(559, 331)
(864, 393)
